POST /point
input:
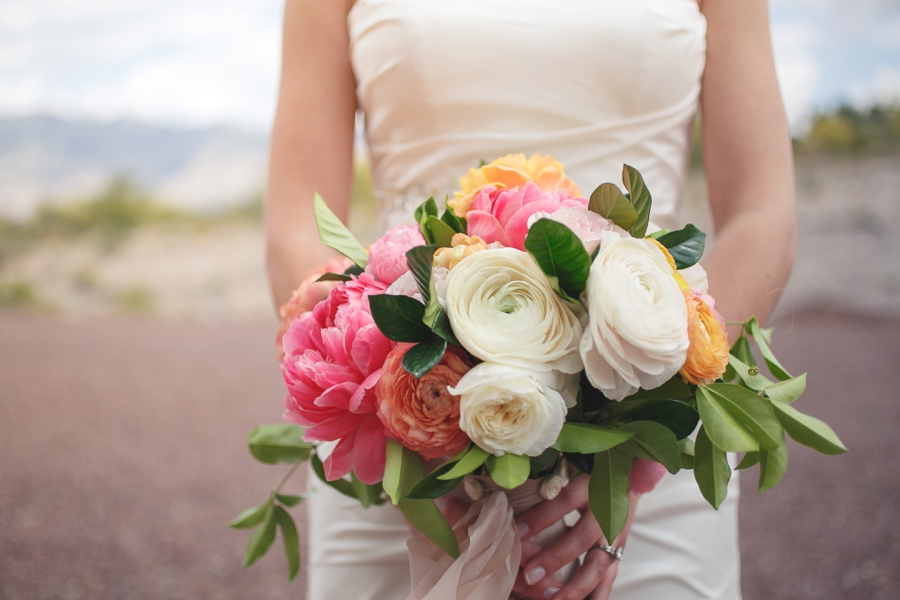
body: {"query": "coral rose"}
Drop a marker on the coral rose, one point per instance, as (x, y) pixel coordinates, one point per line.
(462, 246)
(510, 171)
(310, 293)
(421, 413)
(387, 255)
(707, 356)
(333, 359)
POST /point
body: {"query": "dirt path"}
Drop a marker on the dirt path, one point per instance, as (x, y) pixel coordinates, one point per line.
(122, 458)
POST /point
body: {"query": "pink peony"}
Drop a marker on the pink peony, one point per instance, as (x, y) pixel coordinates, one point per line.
(644, 476)
(585, 224)
(501, 215)
(387, 256)
(333, 359)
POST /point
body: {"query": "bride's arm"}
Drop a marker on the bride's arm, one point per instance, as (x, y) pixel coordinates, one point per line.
(749, 169)
(312, 138)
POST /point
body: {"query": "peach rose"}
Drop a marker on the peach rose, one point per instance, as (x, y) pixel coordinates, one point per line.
(707, 356)
(421, 413)
(513, 170)
(310, 293)
(463, 246)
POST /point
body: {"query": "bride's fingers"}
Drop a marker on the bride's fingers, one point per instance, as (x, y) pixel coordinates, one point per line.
(605, 588)
(545, 514)
(597, 573)
(572, 544)
(529, 549)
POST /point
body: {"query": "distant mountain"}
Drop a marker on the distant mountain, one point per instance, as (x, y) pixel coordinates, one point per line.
(44, 159)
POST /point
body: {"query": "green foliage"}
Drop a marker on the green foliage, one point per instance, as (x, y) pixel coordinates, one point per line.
(471, 460)
(422, 357)
(639, 196)
(419, 260)
(848, 130)
(335, 234)
(17, 293)
(608, 491)
(278, 443)
(560, 255)
(584, 438)
(711, 470)
(685, 245)
(609, 202)
(654, 442)
(399, 318)
(676, 416)
(434, 485)
(509, 471)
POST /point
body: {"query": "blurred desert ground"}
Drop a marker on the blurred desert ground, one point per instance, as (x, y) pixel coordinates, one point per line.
(136, 354)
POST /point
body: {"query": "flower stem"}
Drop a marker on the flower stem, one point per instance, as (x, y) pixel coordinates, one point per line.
(288, 476)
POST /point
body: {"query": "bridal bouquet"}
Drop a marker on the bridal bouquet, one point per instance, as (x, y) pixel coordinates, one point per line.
(525, 332)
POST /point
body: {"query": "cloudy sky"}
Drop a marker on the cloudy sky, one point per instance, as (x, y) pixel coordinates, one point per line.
(200, 62)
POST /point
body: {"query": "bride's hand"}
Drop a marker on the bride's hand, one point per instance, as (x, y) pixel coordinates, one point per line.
(595, 577)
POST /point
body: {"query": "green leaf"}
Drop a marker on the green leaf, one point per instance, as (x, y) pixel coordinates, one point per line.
(473, 459)
(639, 196)
(261, 539)
(685, 245)
(509, 471)
(334, 277)
(440, 232)
(752, 327)
(677, 417)
(341, 485)
(608, 492)
(686, 446)
(457, 223)
(560, 254)
(543, 462)
(657, 442)
(750, 459)
(251, 516)
(742, 350)
(278, 443)
(399, 318)
(772, 466)
(432, 486)
(335, 235)
(609, 202)
(443, 329)
(425, 210)
(367, 494)
(584, 438)
(751, 410)
(419, 260)
(723, 428)
(673, 389)
(401, 470)
(289, 501)
(788, 391)
(422, 357)
(291, 541)
(808, 430)
(711, 469)
(425, 516)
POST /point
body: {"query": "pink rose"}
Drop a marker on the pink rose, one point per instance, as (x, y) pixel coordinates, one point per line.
(501, 215)
(644, 476)
(387, 256)
(333, 359)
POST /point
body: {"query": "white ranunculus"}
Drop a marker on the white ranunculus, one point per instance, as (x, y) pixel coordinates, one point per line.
(503, 310)
(507, 409)
(636, 335)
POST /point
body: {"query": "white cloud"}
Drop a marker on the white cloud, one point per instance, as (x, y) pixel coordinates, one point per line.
(798, 70)
(883, 88)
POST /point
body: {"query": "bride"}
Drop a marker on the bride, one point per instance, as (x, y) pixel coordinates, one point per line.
(594, 83)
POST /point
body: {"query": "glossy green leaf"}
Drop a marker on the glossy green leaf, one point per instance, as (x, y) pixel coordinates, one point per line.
(425, 210)
(542, 463)
(291, 541)
(686, 446)
(677, 417)
(772, 466)
(399, 318)
(334, 277)
(808, 430)
(401, 468)
(457, 223)
(422, 357)
(341, 485)
(711, 470)
(608, 491)
(788, 391)
(420, 260)
(685, 245)
(261, 539)
(560, 255)
(473, 459)
(442, 328)
(425, 516)
(657, 442)
(751, 410)
(368, 494)
(509, 471)
(335, 234)
(441, 233)
(741, 349)
(584, 438)
(749, 375)
(723, 428)
(752, 327)
(278, 443)
(639, 196)
(432, 486)
(673, 389)
(251, 516)
(750, 459)
(609, 202)
(288, 500)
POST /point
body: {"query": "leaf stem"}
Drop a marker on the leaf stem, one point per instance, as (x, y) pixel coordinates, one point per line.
(288, 476)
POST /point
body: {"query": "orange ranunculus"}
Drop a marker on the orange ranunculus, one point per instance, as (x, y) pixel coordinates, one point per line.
(420, 413)
(707, 355)
(310, 293)
(513, 170)
(462, 246)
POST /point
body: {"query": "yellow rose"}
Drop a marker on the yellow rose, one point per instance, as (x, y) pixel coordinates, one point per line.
(707, 356)
(512, 170)
(462, 246)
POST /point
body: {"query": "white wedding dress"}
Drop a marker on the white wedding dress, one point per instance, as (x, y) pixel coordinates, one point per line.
(594, 83)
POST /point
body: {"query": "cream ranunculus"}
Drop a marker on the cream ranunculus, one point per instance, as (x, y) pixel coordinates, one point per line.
(507, 409)
(637, 334)
(503, 310)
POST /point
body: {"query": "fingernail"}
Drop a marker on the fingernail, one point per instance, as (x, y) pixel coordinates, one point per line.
(550, 592)
(534, 575)
(522, 527)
